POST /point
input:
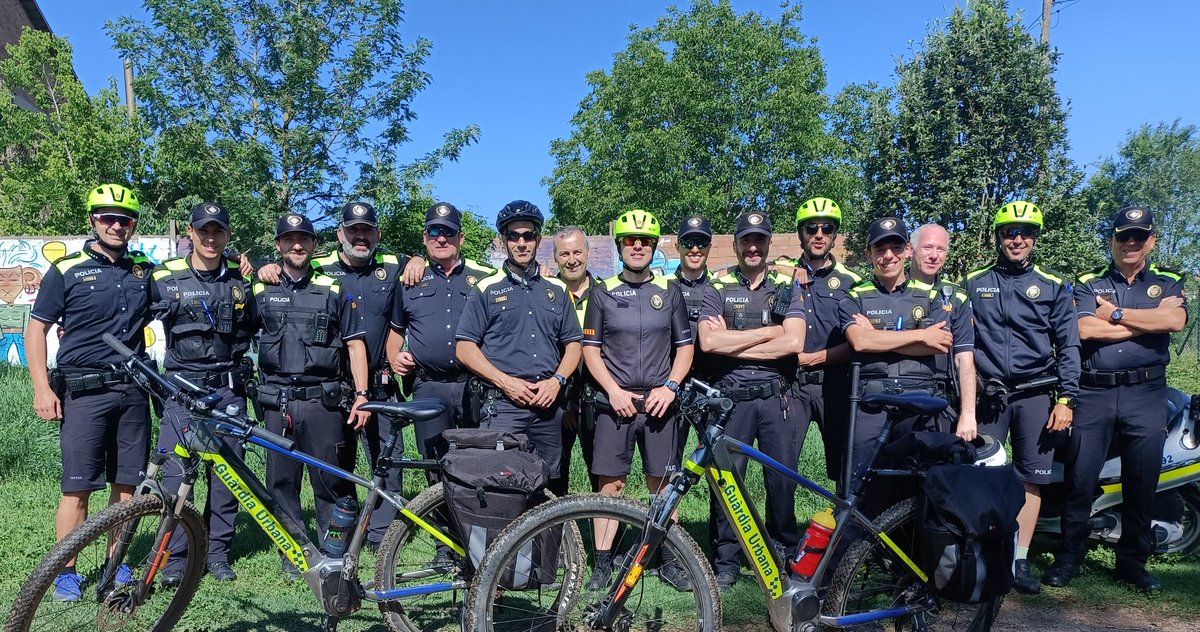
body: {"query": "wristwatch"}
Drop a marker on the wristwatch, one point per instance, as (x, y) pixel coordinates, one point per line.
(672, 385)
(1117, 315)
(561, 379)
(1069, 402)
(362, 393)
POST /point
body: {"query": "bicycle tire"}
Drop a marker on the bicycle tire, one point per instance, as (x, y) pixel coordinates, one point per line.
(565, 603)
(34, 610)
(406, 548)
(870, 577)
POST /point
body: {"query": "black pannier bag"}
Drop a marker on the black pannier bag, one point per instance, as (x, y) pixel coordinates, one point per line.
(968, 530)
(489, 477)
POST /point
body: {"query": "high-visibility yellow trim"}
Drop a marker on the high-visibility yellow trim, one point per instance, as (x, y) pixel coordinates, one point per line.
(434, 531)
(900, 554)
(258, 511)
(754, 543)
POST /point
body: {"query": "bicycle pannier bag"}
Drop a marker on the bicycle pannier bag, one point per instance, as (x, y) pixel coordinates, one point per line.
(969, 530)
(490, 477)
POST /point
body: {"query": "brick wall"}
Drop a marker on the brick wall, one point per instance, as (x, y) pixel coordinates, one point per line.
(14, 16)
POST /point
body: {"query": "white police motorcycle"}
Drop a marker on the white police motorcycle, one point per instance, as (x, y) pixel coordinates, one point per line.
(1176, 519)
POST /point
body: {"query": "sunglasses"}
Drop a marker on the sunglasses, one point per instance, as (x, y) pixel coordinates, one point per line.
(441, 231)
(1136, 235)
(695, 242)
(630, 241)
(109, 219)
(812, 229)
(515, 235)
(1012, 232)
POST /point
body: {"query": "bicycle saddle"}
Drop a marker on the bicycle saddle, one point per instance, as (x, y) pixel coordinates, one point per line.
(417, 410)
(918, 403)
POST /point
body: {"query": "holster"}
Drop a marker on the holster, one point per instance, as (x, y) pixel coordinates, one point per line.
(58, 383)
(587, 400)
(334, 395)
(251, 387)
(475, 397)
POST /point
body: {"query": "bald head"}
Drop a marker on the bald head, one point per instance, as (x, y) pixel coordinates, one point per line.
(930, 244)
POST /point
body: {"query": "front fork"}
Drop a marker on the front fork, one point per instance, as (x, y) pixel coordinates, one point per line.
(121, 537)
(658, 523)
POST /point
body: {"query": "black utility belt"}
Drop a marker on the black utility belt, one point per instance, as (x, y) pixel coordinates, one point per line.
(755, 390)
(593, 394)
(821, 376)
(456, 377)
(74, 380)
(277, 395)
(1122, 378)
(229, 378)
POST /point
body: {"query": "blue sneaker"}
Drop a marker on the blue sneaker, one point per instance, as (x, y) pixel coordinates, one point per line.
(124, 575)
(68, 587)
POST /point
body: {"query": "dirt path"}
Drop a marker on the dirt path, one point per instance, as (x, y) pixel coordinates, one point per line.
(1065, 615)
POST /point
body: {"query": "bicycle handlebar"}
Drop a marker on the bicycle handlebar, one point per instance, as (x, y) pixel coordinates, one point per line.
(202, 405)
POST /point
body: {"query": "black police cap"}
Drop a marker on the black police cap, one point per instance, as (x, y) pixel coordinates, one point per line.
(359, 213)
(885, 228)
(209, 212)
(1133, 218)
(294, 223)
(443, 214)
(695, 225)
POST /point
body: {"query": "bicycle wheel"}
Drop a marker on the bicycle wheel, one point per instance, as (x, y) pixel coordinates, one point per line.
(564, 603)
(871, 577)
(135, 521)
(409, 556)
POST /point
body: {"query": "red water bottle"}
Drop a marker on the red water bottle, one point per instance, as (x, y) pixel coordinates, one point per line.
(812, 546)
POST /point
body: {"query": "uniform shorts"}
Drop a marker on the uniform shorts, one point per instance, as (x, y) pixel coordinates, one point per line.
(657, 439)
(1023, 420)
(105, 438)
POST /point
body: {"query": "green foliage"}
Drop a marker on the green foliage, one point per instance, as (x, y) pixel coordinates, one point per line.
(1158, 167)
(52, 157)
(976, 122)
(708, 111)
(402, 222)
(277, 106)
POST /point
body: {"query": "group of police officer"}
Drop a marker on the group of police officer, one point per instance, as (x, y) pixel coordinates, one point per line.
(502, 348)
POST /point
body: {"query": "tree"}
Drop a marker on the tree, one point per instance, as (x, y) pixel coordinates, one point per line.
(275, 105)
(1158, 167)
(708, 111)
(977, 122)
(52, 157)
(402, 226)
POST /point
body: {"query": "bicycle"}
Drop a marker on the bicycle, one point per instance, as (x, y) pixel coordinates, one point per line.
(420, 567)
(875, 580)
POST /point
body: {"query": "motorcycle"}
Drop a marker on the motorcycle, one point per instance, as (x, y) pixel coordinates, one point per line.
(1176, 521)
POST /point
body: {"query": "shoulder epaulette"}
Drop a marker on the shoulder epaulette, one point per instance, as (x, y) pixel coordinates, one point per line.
(609, 283)
(661, 281)
(978, 271)
(258, 287)
(490, 280)
(325, 281)
(1048, 274)
(1167, 272)
(66, 263)
(1095, 272)
(178, 264)
(726, 278)
(382, 258)
(861, 287)
(555, 281)
(838, 266)
(482, 267)
(321, 261)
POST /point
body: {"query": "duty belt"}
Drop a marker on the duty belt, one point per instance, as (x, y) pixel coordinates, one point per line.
(1122, 378)
(443, 376)
(755, 390)
(229, 378)
(84, 379)
(302, 392)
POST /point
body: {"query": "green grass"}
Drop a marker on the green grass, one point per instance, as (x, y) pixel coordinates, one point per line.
(261, 600)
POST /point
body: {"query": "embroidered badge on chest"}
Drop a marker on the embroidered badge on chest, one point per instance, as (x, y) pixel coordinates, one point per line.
(381, 274)
(1154, 291)
(1033, 291)
(656, 302)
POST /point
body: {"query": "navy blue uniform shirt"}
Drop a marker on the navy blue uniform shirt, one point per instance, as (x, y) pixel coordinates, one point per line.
(372, 287)
(427, 313)
(88, 296)
(823, 294)
(637, 326)
(521, 325)
(1149, 287)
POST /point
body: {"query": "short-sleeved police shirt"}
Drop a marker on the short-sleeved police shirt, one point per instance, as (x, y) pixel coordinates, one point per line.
(823, 294)
(744, 308)
(1150, 285)
(372, 287)
(1025, 325)
(428, 313)
(637, 326)
(89, 295)
(520, 324)
(911, 305)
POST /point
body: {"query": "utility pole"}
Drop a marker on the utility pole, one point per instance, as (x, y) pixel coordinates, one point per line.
(1046, 4)
(129, 107)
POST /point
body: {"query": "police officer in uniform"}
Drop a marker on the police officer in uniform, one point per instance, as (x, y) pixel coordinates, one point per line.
(823, 381)
(519, 334)
(637, 345)
(105, 436)
(752, 327)
(694, 243)
(1025, 334)
(571, 252)
(310, 331)
(426, 316)
(902, 334)
(208, 316)
(1127, 312)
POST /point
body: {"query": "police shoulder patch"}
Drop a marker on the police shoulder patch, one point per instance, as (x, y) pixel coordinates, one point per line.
(1033, 291)
(1154, 291)
(656, 301)
(381, 273)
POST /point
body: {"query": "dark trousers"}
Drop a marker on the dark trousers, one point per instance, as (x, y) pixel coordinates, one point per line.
(220, 507)
(828, 404)
(1136, 416)
(373, 436)
(321, 433)
(543, 426)
(773, 422)
(573, 428)
(453, 396)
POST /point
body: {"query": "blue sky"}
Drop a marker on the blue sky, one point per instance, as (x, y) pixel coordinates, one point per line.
(516, 68)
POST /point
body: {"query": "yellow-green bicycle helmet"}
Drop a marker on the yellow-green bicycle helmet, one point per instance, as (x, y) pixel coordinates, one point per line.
(819, 208)
(637, 222)
(113, 196)
(1018, 212)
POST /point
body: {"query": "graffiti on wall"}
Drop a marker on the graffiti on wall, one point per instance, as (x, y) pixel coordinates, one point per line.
(23, 263)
